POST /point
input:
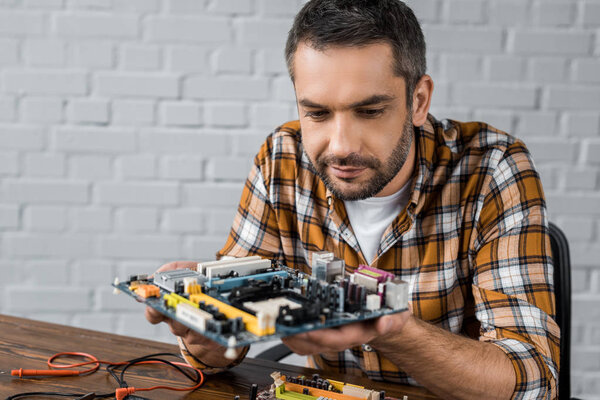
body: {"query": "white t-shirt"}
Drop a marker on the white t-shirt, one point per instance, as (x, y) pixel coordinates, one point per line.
(370, 217)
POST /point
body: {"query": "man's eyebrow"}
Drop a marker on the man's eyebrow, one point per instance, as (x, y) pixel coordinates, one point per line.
(369, 101)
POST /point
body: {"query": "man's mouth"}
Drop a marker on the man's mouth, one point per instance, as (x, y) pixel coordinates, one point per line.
(346, 172)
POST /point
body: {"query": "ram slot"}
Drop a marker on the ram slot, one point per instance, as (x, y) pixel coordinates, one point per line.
(192, 316)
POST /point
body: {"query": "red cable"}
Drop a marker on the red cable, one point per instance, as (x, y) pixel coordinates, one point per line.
(119, 393)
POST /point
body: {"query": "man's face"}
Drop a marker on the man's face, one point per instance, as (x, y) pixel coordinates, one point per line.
(356, 128)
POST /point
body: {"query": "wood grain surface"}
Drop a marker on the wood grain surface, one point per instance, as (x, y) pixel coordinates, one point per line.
(28, 344)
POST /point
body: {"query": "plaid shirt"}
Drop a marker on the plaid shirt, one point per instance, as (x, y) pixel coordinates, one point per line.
(472, 242)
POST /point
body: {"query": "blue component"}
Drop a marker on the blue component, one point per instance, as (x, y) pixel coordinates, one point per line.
(224, 285)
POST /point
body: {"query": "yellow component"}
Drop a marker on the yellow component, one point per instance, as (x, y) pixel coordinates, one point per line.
(293, 389)
(337, 385)
(250, 320)
(194, 289)
(174, 299)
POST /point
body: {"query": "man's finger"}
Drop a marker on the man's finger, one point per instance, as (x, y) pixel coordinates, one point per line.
(153, 316)
(178, 265)
(178, 329)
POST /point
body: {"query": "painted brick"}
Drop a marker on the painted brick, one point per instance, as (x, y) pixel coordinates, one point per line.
(44, 164)
(90, 167)
(136, 219)
(55, 299)
(505, 68)
(183, 221)
(44, 52)
(570, 204)
(106, 300)
(584, 254)
(283, 89)
(278, 7)
(42, 109)
(551, 42)
(220, 221)
(465, 11)
(142, 6)
(248, 144)
(45, 191)
(14, 22)
(226, 88)
(229, 168)
(549, 177)
(46, 245)
(134, 324)
(154, 193)
(587, 70)
(186, 6)
(182, 167)
(211, 195)
(461, 67)
(580, 179)
(580, 281)
(184, 143)
(89, 4)
(587, 360)
(96, 25)
(425, 10)
(225, 114)
(577, 229)
(187, 58)
(140, 166)
(94, 140)
(140, 57)
(91, 219)
(44, 272)
(548, 69)
(136, 85)
(495, 95)
(43, 4)
(509, 13)
(9, 51)
(133, 112)
(472, 40)
(187, 29)
(9, 216)
(88, 111)
(181, 113)
(571, 97)
(202, 248)
(8, 109)
(92, 54)
(554, 13)
(264, 32)
(271, 62)
(45, 82)
(231, 59)
(536, 123)
(582, 124)
(544, 149)
(45, 218)
(591, 13)
(230, 6)
(140, 246)
(592, 152)
(9, 163)
(91, 272)
(269, 116)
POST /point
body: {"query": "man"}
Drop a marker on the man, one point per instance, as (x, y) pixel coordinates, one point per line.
(456, 209)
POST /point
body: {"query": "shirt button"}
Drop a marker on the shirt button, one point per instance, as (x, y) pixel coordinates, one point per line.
(366, 347)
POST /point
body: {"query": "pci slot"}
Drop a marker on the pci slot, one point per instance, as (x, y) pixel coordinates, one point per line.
(224, 285)
(242, 268)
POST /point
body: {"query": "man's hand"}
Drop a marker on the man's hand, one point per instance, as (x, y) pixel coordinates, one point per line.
(208, 351)
(347, 336)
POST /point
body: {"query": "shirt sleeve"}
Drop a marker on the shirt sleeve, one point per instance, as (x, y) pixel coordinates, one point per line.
(513, 285)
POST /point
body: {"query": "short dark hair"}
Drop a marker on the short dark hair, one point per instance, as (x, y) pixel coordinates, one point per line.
(324, 23)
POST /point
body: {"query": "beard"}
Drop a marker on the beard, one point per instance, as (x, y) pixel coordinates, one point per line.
(384, 171)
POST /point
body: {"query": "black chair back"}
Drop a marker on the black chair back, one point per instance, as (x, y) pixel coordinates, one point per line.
(562, 290)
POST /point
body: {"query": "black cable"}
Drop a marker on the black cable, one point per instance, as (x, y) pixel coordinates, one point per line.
(120, 379)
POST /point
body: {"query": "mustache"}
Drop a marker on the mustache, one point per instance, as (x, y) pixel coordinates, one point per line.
(351, 160)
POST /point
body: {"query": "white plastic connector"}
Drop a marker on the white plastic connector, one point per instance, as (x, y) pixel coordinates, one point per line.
(231, 352)
(116, 282)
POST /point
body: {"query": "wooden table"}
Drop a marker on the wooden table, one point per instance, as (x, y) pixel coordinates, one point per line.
(28, 344)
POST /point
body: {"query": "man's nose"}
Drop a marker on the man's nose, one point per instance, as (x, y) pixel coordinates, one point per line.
(343, 139)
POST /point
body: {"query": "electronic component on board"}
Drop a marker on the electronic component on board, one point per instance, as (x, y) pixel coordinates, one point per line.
(237, 302)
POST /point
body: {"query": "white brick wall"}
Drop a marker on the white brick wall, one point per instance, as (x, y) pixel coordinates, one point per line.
(126, 128)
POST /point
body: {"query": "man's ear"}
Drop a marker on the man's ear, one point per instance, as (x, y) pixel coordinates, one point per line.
(422, 100)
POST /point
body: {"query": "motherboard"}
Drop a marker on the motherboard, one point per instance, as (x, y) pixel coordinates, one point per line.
(240, 301)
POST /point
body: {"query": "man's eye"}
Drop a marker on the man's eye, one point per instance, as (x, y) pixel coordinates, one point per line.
(371, 112)
(316, 114)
